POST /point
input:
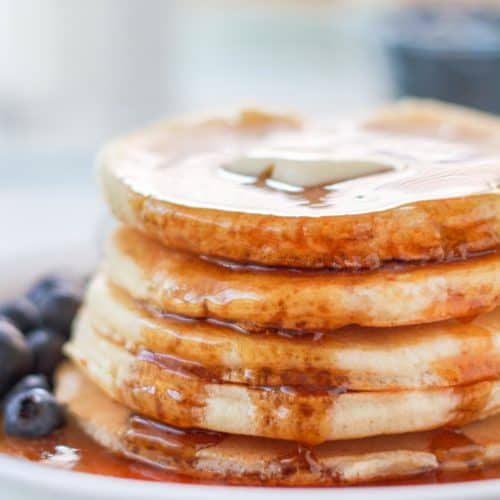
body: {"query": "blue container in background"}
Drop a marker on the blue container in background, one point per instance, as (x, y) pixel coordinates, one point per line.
(452, 54)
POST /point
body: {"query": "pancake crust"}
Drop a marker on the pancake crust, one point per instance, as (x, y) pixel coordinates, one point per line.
(180, 283)
(306, 414)
(436, 355)
(443, 204)
(246, 460)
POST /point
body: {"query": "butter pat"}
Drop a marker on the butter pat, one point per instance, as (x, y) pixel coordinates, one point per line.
(304, 169)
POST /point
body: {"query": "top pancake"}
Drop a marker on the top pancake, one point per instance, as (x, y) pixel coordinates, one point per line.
(439, 199)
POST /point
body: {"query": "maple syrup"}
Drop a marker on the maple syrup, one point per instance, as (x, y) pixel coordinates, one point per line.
(71, 449)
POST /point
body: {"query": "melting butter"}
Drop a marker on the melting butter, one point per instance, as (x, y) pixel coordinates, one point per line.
(304, 169)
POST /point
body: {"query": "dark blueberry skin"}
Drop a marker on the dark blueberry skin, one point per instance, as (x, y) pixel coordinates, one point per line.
(15, 355)
(59, 306)
(22, 312)
(51, 281)
(43, 285)
(29, 382)
(46, 347)
(32, 413)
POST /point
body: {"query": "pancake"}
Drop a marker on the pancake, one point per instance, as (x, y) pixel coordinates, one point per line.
(437, 355)
(433, 196)
(180, 283)
(307, 414)
(239, 459)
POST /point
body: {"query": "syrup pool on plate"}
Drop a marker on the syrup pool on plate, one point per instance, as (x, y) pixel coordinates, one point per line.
(69, 448)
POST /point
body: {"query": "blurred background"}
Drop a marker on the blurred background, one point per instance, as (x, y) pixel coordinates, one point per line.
(75, 73)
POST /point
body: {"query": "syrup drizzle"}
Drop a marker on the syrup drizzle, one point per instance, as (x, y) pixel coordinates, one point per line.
(169, 440)
(200, 348)
(425, 168)
(461, 454)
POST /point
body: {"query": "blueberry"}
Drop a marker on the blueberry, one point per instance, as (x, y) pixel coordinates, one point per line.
(15, 355)
(46, 346)
(59, 306)
(22, 312)
(32, 413)
(43, 285)
(29, 382)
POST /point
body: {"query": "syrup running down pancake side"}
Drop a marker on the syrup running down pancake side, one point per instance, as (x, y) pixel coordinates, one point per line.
(433, 457)
(436, 197)
(441, 354)
(161, 389)
(296, 299)
(72, 449)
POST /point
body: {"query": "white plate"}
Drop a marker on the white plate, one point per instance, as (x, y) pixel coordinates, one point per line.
(22, 480)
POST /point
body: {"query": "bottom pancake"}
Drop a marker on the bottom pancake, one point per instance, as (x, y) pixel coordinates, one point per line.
(249, 460)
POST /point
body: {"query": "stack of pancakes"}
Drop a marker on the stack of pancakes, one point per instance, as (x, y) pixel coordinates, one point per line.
(298, 303)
